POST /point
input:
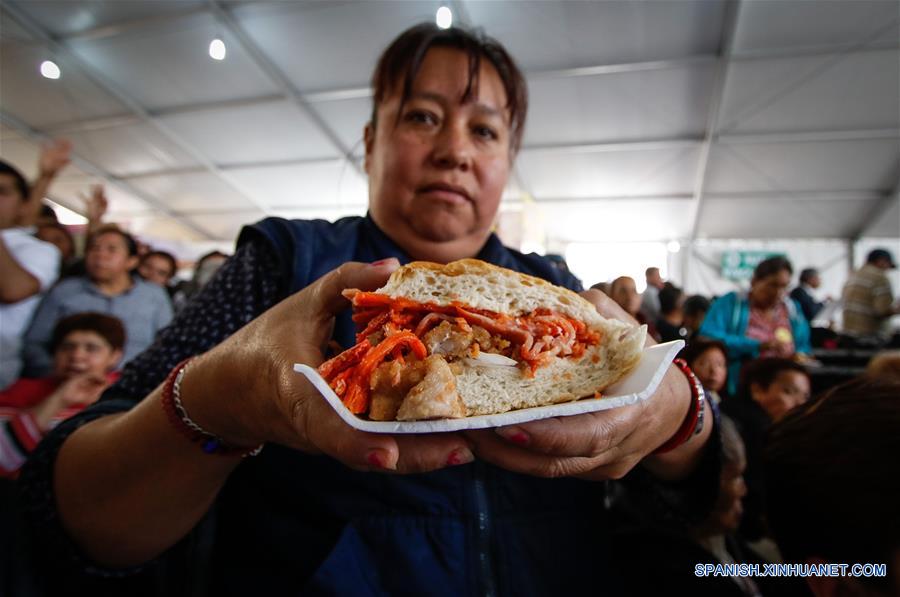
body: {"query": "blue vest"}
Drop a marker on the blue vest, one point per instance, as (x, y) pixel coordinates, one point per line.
(292, 523)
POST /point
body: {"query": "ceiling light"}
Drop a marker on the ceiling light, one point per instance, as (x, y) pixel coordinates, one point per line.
(217, 49)
(444, 18)
(673, 246)
(49, 69)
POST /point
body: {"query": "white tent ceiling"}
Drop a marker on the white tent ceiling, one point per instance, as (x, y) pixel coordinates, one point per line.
(649, 120)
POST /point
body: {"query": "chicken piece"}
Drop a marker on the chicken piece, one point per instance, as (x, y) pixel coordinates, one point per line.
(435, 397)
(390, 383)
(490, 343)
(449, 340)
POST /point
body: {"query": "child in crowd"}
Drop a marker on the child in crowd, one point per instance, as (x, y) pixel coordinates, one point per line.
(768, 389)
(708, 359)
(86, 348)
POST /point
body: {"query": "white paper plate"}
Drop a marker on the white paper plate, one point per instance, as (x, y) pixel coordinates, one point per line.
(638, 385)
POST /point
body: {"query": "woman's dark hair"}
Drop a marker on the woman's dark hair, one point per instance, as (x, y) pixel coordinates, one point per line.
(763, 372)
(173, 264)
(108, 327)
(772, 265)
(130, 243)
(696, 348)
(668, 298)
(402, 60)
(831, 476)
(21, 183)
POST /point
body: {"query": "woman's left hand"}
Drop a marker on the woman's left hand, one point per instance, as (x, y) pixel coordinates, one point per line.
(600, 445)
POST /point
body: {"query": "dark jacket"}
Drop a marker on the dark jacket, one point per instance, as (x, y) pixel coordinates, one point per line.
(808, 304)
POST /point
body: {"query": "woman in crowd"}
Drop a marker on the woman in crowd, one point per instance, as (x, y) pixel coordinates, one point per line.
(769, 388)
(763, 322)
(324, 508)
(109, 287)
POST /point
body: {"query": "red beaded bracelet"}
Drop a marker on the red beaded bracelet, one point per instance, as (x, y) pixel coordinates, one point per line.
(178, 417)
(693, 421)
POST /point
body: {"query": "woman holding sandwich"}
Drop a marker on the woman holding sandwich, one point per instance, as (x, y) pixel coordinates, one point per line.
(325, 509)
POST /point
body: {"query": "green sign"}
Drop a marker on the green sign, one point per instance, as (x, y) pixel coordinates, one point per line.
(739, 265)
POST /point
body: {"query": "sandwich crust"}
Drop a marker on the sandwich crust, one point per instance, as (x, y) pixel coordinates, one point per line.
(485, 286)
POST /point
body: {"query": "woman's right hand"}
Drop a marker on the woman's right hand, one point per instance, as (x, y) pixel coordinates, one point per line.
(246, 390)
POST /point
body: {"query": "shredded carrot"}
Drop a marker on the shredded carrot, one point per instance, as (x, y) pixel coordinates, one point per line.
(357, 396)
(345, 360)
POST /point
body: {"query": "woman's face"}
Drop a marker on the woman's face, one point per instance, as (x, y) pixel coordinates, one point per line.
(437, 168)
(107, 258)
(787, 390)
(712, 369)
(771, 290)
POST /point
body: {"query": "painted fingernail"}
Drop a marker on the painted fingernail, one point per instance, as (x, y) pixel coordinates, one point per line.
(460, 456)
(514, 434)
(376, 459)
(381, 262)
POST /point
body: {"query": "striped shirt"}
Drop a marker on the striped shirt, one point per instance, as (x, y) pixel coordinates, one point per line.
(867, 301)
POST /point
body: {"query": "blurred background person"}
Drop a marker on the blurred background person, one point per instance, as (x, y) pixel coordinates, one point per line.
(708, 359)
(650, 535)
(693, 312)
(669, 326)
(158, 267)
(763, 322)
(59, 236)
(28, 267)
(768, 389)
(650, 298)
(86, 349)
(885, 364)
(107, 288)
(868, 298)
(624, 292)
(833, 484)
(803, 293)
(204, 270)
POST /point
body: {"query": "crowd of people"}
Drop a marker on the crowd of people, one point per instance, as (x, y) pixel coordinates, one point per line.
(751, 350)
(70, 321)
(131, 496)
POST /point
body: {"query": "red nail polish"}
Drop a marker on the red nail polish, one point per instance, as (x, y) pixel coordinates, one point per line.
(456, 457)
(519, 438)
(374, 459)
(380, 262)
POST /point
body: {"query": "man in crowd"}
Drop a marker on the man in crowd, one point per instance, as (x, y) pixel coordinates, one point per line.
(28, 266)
(868, 298)
(650, 298)
(158, 267)
(107, 288)
(803, 293)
